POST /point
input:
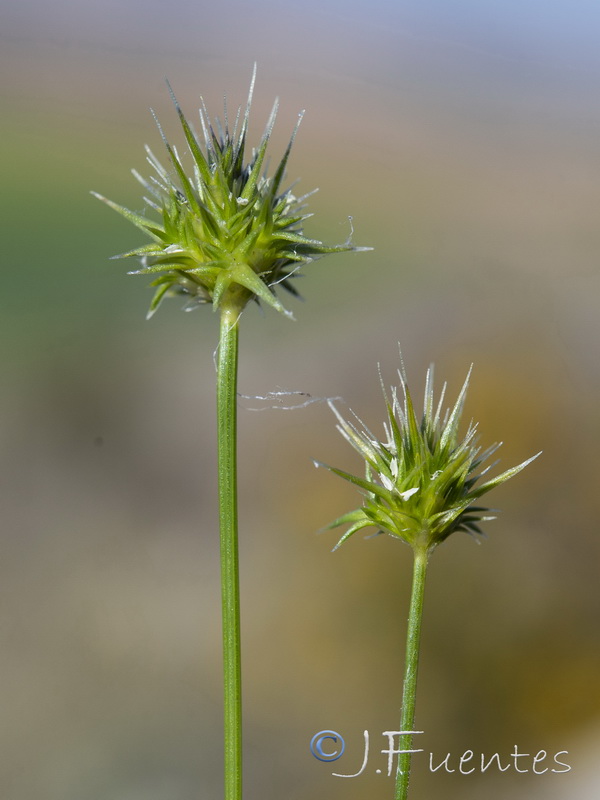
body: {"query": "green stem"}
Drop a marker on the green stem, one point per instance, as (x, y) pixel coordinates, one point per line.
(230, 585)
(409, 692)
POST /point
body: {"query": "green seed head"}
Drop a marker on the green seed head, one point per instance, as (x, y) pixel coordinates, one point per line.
(422, 481)
(228, 233)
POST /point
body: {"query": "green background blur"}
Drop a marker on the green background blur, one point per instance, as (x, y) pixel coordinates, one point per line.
(464, 140)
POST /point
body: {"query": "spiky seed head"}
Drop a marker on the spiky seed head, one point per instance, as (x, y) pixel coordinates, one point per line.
(422, 481)
(228, 233)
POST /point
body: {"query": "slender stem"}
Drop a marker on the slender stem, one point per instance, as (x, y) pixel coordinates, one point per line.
(230, 585)
(413, 639)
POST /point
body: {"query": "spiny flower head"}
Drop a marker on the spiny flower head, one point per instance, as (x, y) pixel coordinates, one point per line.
(228, 233)
(422, 481)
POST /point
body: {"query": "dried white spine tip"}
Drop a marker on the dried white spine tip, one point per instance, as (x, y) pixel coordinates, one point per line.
(409, 493)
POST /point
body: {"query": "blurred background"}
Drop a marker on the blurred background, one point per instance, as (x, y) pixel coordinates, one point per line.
(464, 141)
